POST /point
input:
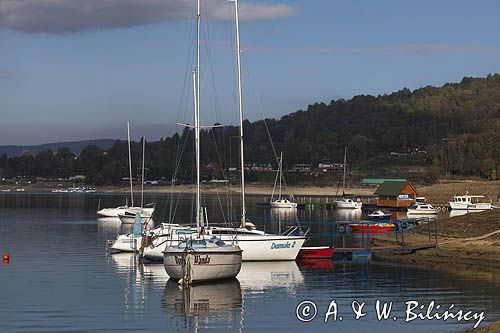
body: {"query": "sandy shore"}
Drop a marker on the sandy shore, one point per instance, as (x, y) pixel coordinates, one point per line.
(468, 245)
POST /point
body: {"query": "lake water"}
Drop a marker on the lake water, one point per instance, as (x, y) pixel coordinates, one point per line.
(61, 279)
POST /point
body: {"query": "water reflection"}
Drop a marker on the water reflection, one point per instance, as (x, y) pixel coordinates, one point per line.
(217, 305)
(344, 214)
(259, 276)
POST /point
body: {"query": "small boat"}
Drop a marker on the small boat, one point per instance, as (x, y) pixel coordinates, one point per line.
(315, 252)
(199, 260)
(128, 216)
(280, 202)
(372, 227)
(283, 203)
(114, 212)
(348, 203)
(422, 209)
(469, 202)
(379, 215)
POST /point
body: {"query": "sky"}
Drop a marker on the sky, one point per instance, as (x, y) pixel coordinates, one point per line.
(75, 70)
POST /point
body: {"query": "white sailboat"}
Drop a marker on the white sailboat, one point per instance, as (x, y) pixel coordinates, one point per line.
(194, 257)
(128, 216)
(281, 202)
(257, 245)
(344, 202)
(120, 210)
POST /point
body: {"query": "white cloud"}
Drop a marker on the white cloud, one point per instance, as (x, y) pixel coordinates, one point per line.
(60, 16)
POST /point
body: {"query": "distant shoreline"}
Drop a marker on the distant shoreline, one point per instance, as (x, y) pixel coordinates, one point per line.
(438, 194)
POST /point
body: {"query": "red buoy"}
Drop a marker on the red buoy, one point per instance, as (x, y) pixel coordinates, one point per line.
(5, 257)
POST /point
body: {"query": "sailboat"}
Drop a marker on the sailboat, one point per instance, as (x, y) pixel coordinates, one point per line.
(196, 257)
(281, 202)
(257, 245)
(116, 211)
(346, 202)
(129, 215)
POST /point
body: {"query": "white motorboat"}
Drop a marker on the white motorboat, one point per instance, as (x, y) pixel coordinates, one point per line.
(469, 202)
(422, 209)
(114, 212)
(379, 214)
(347, 203)
(281, 202)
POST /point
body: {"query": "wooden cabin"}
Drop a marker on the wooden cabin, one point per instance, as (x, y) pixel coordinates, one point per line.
(396, 194)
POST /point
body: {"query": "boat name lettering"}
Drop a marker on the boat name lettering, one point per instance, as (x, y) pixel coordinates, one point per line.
(201, 260)
(286, 245)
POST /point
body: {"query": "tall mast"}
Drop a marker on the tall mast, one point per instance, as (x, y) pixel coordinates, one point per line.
(240, 108)
(142, 178)
(281, 171)
(345, 162)
(197, 149)
(196, 86)
(130, 165)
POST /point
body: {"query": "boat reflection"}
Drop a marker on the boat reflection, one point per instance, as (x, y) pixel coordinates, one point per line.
(259, 276)
(215, 305)
(345, 214)
(459, 212)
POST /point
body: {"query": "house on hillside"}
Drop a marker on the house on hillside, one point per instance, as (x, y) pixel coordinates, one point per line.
(396, 194)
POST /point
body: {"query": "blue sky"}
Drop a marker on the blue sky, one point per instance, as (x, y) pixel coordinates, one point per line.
(71, 72)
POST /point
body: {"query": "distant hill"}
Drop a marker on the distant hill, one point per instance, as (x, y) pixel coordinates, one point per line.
(75, 146)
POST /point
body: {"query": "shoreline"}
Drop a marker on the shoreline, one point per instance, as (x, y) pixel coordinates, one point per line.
(468, 246)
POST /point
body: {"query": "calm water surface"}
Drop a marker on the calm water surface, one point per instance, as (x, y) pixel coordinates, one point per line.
(62, 279)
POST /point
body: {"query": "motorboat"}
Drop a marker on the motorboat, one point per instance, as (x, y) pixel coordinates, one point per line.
(114, 212)
(380, 215)
(283, 203)
(315, 252)
(348, 203)
(469, 202)
(422, 209)
(371, 227)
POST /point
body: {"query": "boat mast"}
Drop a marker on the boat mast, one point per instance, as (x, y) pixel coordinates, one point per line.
(142, 181)
(343, 178)
(281, 172)
(196, 92)
(240, 108)
(130, 165)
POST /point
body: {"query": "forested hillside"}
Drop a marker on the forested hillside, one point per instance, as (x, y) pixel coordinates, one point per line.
(458, 125)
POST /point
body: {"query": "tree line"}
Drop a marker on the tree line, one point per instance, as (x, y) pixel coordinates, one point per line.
(458, 125)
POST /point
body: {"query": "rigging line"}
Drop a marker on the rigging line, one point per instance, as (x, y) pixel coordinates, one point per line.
(250, 81)
(208, 44)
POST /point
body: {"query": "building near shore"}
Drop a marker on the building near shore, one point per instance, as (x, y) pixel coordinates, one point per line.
(396, 194)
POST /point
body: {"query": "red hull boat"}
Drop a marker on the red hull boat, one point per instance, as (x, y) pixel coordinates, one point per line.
(315, 252)
(373, 228)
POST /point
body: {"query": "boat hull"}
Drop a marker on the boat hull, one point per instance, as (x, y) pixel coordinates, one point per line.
(204, 265)
(255, 248)
(114, 212)
(348, 205)
(469, 206)
(128, 219)
(357, 228)
(319, 252)
(283, 205)
(421, 212)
